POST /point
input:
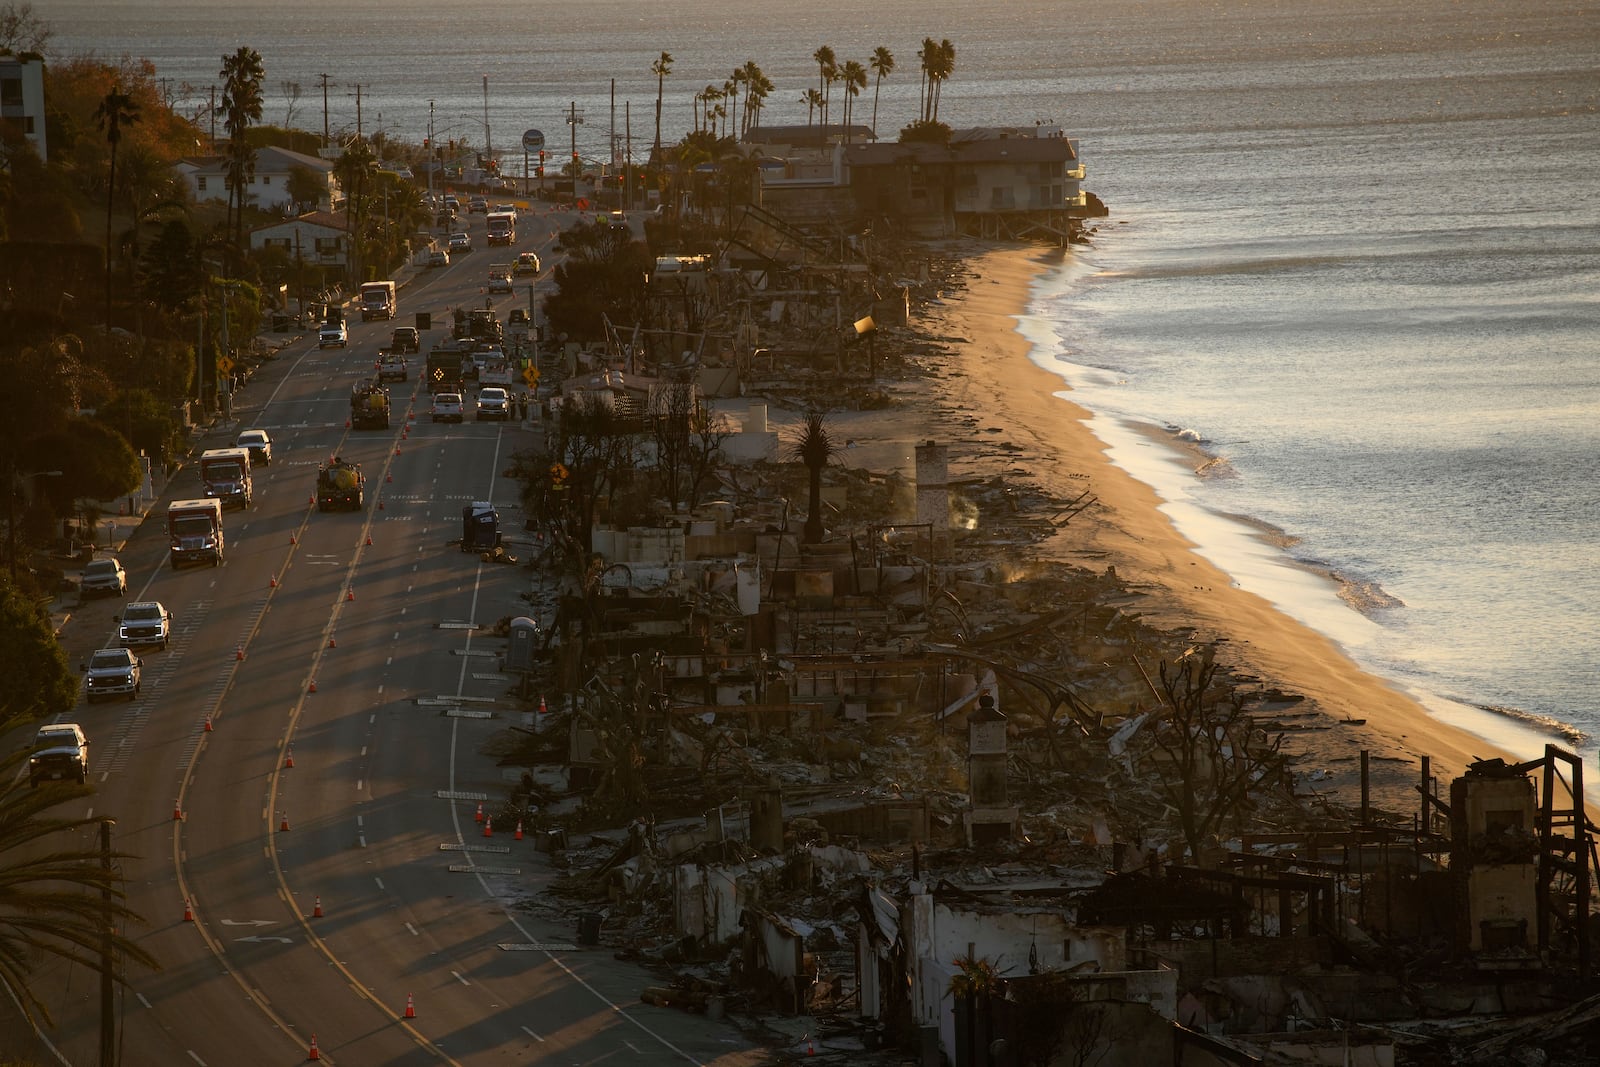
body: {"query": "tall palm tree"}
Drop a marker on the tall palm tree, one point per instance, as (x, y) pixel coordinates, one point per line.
(660, 68)
(242, 74)
(827, 67)
(814, 448)
(882, 65)
(943, 66)
(116, 110)
(758, 88)
(57, 898)
(853, 76)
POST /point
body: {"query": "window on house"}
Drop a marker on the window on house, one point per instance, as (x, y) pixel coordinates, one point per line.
(328, 245)
(11, 92)
(266, 179)
(1002, 198)
(200, 183)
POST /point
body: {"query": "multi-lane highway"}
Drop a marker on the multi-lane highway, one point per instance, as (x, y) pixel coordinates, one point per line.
(325, 641)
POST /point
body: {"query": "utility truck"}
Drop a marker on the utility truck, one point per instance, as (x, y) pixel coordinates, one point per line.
(369, 406)
(444, 369)
(225, 474)
(502, 227)
(340, 485)
(194, 531)
(378, 300)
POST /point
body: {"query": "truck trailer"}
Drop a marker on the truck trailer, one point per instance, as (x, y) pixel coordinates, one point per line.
(378, 300)
(225, 474)
(194, 531)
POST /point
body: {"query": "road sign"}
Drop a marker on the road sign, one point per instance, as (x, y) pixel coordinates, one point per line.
(531, 376)
(532, 140)
(224, 364)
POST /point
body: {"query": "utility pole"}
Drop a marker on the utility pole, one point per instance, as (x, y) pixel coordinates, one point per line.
(324, 78)
(613, 142)
(574, 120)
(108, 1021)
(213, 118)
(488, 145)
(433, 155)
(627, 158)
(358, 111)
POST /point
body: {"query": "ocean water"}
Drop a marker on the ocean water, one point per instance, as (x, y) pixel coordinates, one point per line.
(1354, 249)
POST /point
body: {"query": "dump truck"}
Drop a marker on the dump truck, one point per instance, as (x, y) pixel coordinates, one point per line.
(340, 485)
(194, 531)
(369, 406)
(444, 369)
(225, 475)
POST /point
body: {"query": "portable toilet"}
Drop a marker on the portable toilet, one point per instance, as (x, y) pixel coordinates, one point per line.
(480, 527)
(523, 651)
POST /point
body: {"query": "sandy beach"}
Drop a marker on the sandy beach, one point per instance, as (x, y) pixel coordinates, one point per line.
(997, 411)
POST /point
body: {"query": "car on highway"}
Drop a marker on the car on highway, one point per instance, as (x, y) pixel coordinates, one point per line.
(145, 622)
(113, 672)
(61, 753)
(493, 403)
(452, 203)
(527, 263)
(103, 576)
(500, 278)
(618, 220)
(333, 334)
(447, 407)
(405, 339)
(438, 257)
(477, 205)
(460, 242)
(258, 444)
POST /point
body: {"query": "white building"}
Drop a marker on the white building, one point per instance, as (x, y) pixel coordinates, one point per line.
(22, 98)
(268, 188)
(319, 238)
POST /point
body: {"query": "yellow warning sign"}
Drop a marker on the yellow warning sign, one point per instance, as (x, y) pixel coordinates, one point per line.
(531, 376)
(224, 365)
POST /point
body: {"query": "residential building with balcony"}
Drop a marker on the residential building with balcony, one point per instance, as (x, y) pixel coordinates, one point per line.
(22, 98)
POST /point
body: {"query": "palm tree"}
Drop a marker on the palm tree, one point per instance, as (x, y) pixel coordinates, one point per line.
(242, 74)
(57, 898)
(944, 64)
(660, 68)
(116, 110)
(814, 448)
(853, 76)
(882, 64)
(827, 67)
(757, 88)
(812, 100)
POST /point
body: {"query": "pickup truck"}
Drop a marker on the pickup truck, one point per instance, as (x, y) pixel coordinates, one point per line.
(61, 754)
(391, 367)
(333, 335)
(113, 672)
(405, 339)
(146, 623)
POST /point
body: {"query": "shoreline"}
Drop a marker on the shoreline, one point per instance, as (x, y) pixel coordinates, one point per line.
(1024, 425)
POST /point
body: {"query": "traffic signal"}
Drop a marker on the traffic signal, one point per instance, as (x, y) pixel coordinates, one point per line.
(539, 171)
(541, 155)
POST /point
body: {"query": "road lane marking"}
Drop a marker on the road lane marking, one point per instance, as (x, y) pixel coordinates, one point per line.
(379, 881)
(363, 750)
(145, 1002)
(413, 930)
(460, 979)
(359, 822)
(533, 1035)
(196, 1059)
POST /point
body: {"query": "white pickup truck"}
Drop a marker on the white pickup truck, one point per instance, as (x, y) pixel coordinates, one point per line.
(493, 368)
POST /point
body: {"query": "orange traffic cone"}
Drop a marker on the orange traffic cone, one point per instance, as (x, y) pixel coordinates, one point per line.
(313, 1053)
(388, 477)
(332, 642)
(369, 539)
(316, 912)
(479, 816)
(177, 810)
(347, 424)
(380, 503)
(313, 499)
(350, 594)
(811, 1046)
(188, 912)
(312, 687)
(288, 759)
(272, 583)
(518, 836)
(397, 450)
(411, 1007)
(488, 827)
(208, 724)
(542, 709)
(238, 652)
(283, 824)
(292, 538)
